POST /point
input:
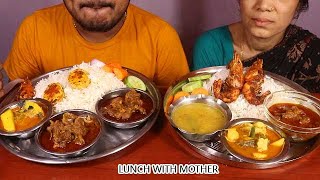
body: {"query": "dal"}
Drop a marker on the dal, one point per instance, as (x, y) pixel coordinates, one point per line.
(198, 118)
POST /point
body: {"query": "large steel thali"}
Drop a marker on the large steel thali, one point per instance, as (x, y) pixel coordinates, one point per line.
(215, 150)
(111, 141)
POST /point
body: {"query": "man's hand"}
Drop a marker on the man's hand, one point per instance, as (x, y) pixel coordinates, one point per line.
(1, 82)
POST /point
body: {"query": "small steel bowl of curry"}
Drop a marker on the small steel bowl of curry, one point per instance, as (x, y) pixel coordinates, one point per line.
(23, 118)
(296, 113)
(199, 118)
(255, 141)
(70, 133)
(126, 108)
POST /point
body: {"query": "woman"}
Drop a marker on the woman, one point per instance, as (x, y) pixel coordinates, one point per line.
(265, 32)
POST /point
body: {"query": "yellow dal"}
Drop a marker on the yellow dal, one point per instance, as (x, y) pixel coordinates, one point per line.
(198, 118)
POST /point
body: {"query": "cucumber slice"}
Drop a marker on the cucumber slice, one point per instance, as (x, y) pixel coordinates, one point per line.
(178, 87)
(191, 86)
(134, 82)
(200, 77)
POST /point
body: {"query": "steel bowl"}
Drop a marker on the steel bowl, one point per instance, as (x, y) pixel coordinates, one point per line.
(216, 103)
(297, 134)
(80, 151)
(276, 159)
(123, 124)
(30, 132)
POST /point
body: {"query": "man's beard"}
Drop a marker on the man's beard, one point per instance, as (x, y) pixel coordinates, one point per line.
(93, 25)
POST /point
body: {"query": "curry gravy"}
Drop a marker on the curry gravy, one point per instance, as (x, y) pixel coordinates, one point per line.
(295, 115)
(47, 143)
(198, 118)
(136, 116)
(24, 120)
(247, 151)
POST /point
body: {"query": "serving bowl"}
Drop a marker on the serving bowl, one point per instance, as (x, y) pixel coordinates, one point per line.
(30, 131)
(218, 123)
(94, 127)
(136, 118)
(270, 129)
(298, 132)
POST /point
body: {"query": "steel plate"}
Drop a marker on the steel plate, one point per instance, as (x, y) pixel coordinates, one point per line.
(216, 151)
(111, 141)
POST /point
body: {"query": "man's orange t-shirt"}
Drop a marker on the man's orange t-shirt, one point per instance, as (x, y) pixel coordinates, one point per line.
(47, 40)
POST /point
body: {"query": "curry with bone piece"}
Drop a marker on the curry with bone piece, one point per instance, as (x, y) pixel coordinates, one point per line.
(70, 133)
(295, 115)
(131, 107)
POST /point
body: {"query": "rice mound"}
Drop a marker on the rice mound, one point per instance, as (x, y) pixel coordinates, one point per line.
(101, 83)
(241, 108)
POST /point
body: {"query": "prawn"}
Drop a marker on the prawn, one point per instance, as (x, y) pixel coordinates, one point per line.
(26, 90)
(230, 90)
(254, 78)
(224, 92)
(235, 78)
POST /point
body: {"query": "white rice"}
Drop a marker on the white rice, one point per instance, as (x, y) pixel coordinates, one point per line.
(241, 108)
(101, 83)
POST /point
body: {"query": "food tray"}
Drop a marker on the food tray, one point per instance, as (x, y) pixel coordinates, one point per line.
(215, 150)
(111, 141)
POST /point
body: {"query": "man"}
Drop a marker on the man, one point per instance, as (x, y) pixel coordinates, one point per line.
(108, 30)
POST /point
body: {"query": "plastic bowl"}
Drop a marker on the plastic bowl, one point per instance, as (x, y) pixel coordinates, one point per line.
(297, 134)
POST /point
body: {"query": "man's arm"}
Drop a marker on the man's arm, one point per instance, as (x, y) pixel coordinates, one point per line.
(171, 60)
(22, 59)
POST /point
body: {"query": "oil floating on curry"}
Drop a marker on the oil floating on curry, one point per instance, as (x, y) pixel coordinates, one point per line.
(133, 106)
(295, 115)
(21, 118)
(255, 141)
(69, 134)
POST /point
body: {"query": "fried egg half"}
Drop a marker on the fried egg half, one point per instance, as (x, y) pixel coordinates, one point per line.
(79, 79)
(54, 93)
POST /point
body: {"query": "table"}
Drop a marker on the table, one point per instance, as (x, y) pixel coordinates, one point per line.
(161, 145)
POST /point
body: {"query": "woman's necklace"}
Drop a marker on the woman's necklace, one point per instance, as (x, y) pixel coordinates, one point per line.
(241, 51)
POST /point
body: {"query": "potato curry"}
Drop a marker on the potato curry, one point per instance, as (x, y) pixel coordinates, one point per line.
(255, 141)
(21, 118)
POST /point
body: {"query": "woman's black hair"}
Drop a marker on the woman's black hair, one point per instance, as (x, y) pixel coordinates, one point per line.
(302, 6)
